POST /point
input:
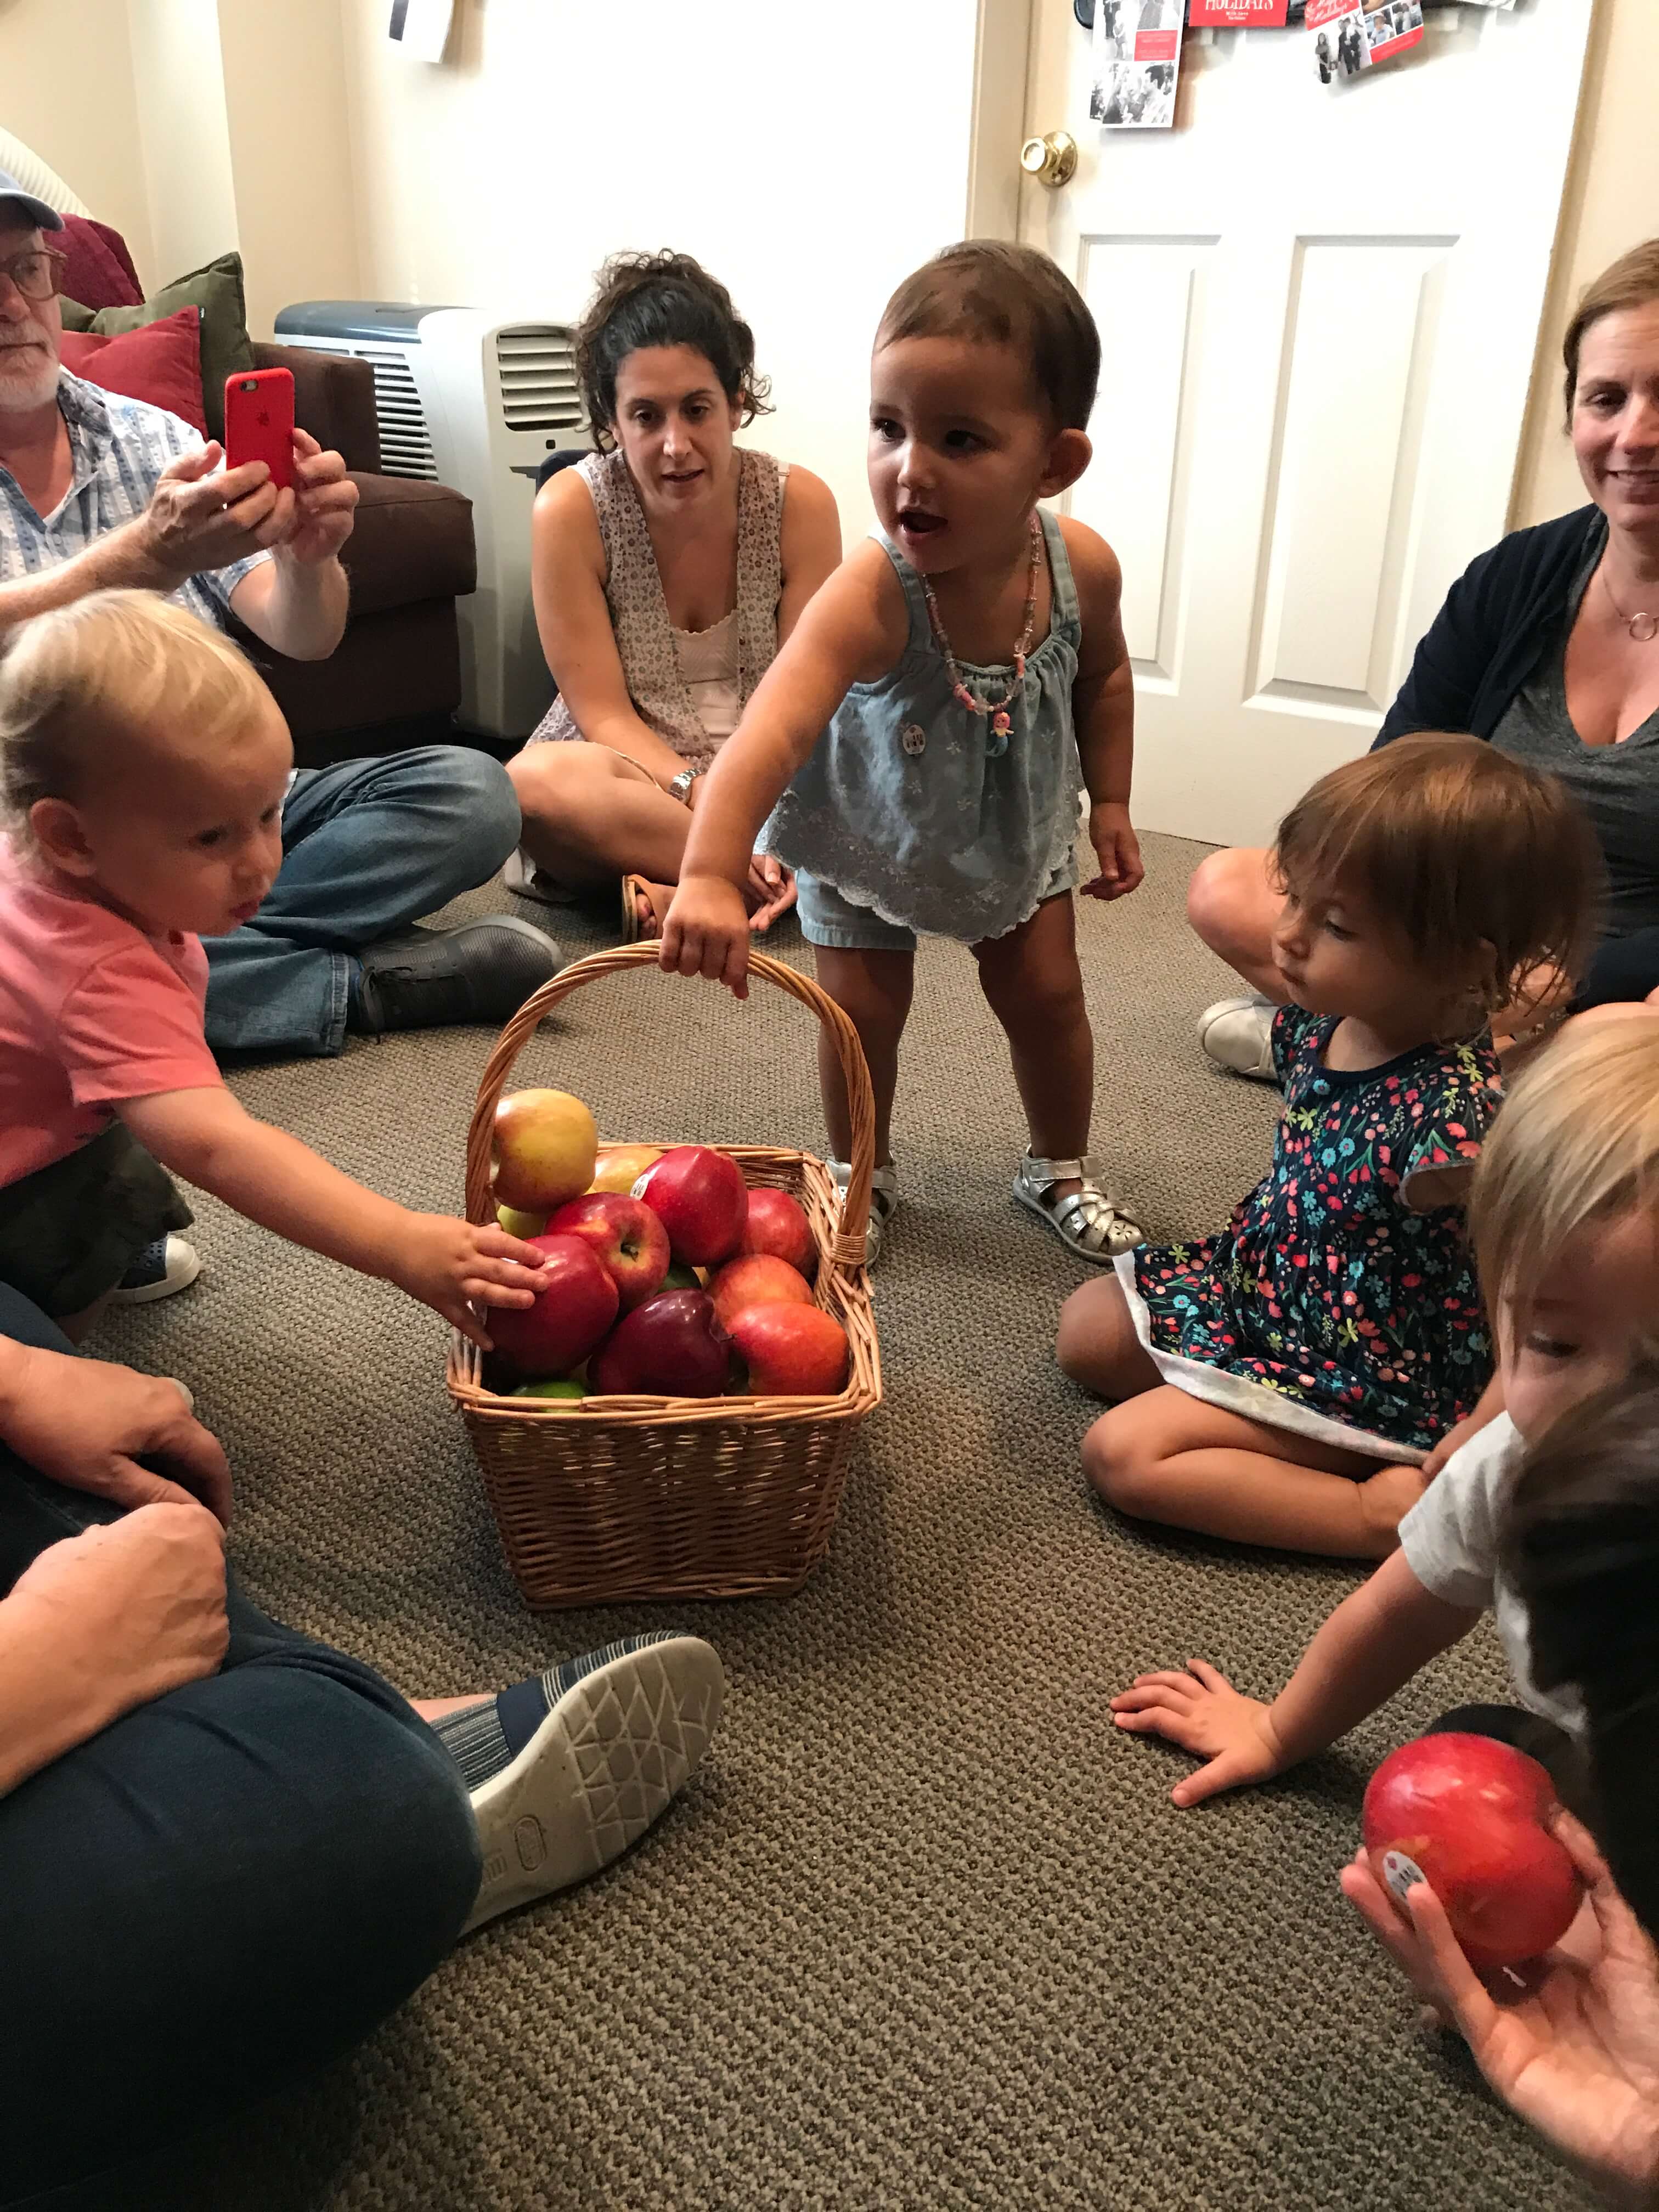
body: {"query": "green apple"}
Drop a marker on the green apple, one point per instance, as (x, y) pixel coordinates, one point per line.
(521, 1225)
(682, 1277)
(562, 1387)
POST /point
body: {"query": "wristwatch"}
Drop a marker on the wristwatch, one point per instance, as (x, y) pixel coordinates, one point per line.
(680, 787)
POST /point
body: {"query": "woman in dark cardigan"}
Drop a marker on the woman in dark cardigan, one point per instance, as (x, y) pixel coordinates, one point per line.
(1548, 646)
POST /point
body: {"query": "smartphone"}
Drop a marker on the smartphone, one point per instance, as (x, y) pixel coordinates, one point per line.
(259, 422)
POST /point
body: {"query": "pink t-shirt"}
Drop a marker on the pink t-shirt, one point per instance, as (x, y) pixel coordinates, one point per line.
(92, 1012)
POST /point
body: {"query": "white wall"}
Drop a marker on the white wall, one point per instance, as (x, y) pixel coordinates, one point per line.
(66, 90)
(178, 77)
(1611, 203)
(811, 155)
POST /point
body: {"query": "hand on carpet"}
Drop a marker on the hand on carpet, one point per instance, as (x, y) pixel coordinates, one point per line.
(1575, 2048)
(1202, 1711)
(452, 1265)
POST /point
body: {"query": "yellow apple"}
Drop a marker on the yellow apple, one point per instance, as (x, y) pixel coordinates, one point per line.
(621, 1166)
(521, 1225)
(543, 1149)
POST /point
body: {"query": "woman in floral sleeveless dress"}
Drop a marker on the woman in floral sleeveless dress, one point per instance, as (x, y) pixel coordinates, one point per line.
(666, 569)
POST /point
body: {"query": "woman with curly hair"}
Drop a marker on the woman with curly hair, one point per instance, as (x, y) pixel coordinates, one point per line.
(666, 569)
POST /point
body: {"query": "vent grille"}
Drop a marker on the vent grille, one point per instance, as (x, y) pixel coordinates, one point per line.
(405, 442)
(538, 373)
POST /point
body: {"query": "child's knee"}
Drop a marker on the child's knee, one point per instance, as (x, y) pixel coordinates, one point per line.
(1118, 1470)
(1084, 1340)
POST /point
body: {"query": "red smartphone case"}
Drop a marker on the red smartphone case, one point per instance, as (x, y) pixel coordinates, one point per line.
(259, 422)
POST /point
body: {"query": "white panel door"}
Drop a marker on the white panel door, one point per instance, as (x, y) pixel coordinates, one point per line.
(1318, 308)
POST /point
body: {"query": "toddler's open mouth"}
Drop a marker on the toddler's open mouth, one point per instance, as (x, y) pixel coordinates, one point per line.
(917, 522)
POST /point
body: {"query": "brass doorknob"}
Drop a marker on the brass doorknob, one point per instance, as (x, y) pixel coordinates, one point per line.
(1052, 159)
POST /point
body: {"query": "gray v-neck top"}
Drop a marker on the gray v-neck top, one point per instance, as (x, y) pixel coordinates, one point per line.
(1618, 785)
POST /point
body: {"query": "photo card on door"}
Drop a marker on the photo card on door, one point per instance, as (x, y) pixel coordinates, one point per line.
(1359, 38)
(1137, 57)
(1237, 14)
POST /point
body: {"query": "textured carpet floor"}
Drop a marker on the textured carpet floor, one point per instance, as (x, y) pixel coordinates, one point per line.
(922, 1932)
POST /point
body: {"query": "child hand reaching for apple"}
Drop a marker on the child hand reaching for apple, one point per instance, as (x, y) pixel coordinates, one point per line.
(143, 770)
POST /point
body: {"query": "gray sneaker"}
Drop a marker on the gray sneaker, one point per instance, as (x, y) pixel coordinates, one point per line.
(425, 979)
(1237, 1034)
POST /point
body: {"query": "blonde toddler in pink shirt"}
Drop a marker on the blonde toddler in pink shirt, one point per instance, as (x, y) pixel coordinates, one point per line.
(143, 770)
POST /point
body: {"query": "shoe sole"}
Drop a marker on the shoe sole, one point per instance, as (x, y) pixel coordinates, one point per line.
(613, 1753)
(148, 1293)
(1093, 1259)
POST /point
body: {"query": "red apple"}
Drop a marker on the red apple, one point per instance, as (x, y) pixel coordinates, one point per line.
(776, 1224)
(576, 1304)
(790, 1351)
(756, 1279)
(631, 1245)
(700, 1197)
(1466, 1814)
(672, 1347)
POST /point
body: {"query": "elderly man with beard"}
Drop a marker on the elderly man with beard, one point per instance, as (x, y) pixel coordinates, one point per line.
(99, 491)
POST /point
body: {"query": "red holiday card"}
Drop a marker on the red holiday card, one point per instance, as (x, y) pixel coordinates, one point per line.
(1327, 11)
(1237, 14)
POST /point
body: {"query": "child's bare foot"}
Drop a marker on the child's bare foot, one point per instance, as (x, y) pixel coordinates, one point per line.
(1385, 1499)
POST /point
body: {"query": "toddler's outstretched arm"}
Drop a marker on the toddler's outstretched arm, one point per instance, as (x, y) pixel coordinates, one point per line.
(852, 630)
(205, 1136)
(1370, 1647)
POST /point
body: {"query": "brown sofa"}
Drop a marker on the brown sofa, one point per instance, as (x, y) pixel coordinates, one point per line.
(394, 680)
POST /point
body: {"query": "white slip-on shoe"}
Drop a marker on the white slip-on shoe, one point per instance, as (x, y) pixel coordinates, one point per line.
(1237, 1034)
(621, 1732)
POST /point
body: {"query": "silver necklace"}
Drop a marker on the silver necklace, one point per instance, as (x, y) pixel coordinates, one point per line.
(1643, 627)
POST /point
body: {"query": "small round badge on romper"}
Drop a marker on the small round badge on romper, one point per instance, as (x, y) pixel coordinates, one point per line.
(913, 739)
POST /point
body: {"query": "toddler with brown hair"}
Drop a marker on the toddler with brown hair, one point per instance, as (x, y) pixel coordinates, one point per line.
(1281, 1382)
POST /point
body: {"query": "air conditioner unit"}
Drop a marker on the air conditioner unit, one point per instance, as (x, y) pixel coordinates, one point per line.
(476, 401)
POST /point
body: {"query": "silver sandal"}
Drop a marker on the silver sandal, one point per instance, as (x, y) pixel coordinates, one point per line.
(883, 1202)
(1085, 1221)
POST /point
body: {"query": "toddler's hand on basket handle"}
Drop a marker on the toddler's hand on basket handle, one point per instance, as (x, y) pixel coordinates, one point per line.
(452, 1265)
(706, 933)
(1202, 1712)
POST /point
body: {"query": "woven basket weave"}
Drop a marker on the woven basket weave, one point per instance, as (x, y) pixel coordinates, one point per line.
(623, 1498)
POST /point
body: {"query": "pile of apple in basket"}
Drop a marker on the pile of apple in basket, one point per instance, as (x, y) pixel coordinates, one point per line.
(662, 1273)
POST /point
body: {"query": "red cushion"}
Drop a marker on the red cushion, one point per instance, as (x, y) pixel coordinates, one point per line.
(159, 361)
(101, 273)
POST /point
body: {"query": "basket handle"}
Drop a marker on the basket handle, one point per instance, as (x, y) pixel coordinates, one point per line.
(849, 1250)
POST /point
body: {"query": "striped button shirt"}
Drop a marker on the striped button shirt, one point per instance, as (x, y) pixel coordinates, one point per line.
(118, 448)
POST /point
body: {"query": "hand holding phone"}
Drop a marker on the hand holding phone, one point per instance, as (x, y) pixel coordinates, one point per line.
(259, 422)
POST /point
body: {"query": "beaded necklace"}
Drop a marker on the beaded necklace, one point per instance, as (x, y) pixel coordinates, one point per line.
(996, 709)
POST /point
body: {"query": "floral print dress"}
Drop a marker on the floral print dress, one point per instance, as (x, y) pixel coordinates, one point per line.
(1327, 1305)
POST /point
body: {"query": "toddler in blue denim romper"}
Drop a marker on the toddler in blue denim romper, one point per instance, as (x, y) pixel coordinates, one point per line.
(943, 795)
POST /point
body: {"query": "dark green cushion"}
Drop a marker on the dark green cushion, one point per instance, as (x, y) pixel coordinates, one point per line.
(226, 349)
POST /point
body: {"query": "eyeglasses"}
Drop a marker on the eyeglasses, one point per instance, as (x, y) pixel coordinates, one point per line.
(37, 275)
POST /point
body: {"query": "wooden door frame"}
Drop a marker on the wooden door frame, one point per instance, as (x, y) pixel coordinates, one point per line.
(1002, 48)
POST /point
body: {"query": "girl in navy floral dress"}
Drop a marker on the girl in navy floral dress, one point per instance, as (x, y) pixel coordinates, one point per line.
(1282, 1381)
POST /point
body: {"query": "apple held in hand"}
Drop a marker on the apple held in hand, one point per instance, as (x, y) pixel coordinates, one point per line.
(1467, 1814)
(576, 1304)
(777, 1225)
(543, 1147)
(700, 1199)
(672, 1347)
(756, 1279)
(791, 1351)
(629, 1241)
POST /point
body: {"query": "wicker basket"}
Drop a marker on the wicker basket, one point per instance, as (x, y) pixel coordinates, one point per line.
(606, 1499)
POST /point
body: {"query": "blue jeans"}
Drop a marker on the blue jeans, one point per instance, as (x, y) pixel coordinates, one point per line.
(222, 1891)
(368, 847)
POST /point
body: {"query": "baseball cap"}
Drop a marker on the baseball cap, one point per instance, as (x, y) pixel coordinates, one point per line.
(13, 196)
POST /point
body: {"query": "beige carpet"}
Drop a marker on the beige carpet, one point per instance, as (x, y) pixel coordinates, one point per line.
(923, 1932)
